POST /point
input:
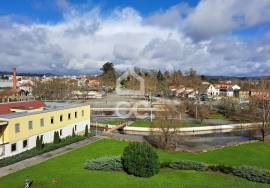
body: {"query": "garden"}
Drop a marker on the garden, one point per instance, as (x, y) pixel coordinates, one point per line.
(224, 167)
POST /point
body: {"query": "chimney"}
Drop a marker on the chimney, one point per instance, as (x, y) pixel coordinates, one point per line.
(14, 80)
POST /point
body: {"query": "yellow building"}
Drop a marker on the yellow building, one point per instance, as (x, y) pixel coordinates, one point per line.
(18, 130)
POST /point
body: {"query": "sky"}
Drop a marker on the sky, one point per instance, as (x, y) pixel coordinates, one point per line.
(214, 37)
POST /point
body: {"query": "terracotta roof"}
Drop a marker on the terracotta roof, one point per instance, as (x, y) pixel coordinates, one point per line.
(5, 108)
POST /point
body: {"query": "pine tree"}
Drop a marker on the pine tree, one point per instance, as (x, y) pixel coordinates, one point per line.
(73, 133)
(58, 137)
(37, 142)
(86, 131)
(55, 140)
(41, 145)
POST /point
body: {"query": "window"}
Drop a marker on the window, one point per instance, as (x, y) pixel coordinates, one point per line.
(75, 127)
(61, 118)
(17, 128)
(69, 116)
(60, 132)
(30, 125)
(25, 143)
(82, 113)
(42, 122)
(75, 114)
(52, 120)
(13, 147)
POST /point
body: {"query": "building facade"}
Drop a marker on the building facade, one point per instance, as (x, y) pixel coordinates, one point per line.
(19, 130)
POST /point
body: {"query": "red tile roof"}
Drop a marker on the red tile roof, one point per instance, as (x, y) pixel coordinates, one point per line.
(5, 108)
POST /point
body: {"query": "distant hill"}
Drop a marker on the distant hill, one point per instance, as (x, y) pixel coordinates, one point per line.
(26, 74)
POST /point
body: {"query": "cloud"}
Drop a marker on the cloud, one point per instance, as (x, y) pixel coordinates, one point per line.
(83, 42)
(213, 17)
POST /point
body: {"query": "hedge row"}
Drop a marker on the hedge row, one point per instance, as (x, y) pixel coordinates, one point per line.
(188, 165)
(113, 163)
(248, 172)
(35, 151)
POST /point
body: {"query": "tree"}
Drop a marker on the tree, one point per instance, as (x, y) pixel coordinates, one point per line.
(166, 121)
(203, 112)
(160, 76)
(73, 133)
(86, 132)
(264, 105)
(108, 74)
(56, 138)
(140, 159)
(37, 142)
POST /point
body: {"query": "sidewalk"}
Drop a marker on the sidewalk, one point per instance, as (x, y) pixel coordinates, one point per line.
(45, 156)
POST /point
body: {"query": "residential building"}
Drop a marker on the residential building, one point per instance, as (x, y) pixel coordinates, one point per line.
(20, 128)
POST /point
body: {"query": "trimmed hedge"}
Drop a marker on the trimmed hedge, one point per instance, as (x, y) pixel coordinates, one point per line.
(105, 163)
(188, 165)
(35, 151)
(140, 159)
(248, 172)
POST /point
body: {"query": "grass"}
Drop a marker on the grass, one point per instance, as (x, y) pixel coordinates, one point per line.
(216, 116)
(112, 121)
(67, 170)
(186, 123)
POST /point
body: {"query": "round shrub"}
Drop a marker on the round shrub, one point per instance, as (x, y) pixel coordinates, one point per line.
(140, 159)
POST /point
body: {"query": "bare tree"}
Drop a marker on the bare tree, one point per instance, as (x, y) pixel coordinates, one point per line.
(164, 127)
(264, 105)
(203, 112)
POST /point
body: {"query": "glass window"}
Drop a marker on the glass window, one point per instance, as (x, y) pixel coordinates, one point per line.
(17, 128)
(42, 122)
(69, 116)
(61, 118)
(75, 114)
(52, 120)
(25, 143)
(13, 147)
(30, 125)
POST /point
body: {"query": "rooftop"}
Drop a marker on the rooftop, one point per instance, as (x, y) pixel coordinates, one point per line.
(46, 109)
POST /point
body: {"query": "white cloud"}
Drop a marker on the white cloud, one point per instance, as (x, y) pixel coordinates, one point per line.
(82, 42)
(212, 17)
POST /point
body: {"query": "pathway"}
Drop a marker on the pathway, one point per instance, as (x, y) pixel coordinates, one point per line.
(45, 156)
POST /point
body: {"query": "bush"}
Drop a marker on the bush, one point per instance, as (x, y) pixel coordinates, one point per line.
(188, 165)
(105, 163)
(86, 132)
(34, 152)
(140, 159)
(247, 172)
(56, 138)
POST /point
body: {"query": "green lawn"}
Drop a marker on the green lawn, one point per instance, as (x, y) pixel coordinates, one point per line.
(112, 121)
(186, 123)
(67, 170)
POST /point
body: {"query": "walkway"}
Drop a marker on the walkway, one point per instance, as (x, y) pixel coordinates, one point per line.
(46, 156)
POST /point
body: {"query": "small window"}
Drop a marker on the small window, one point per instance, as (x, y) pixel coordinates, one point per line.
(25, 143)
(69, 116)
(60, 132)
(42, 122)
(82, 113)
(61, 118)
(75, 127)
(75, 114)
(13, 147)
(17, 128)
(52, 120)
(30, 125)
